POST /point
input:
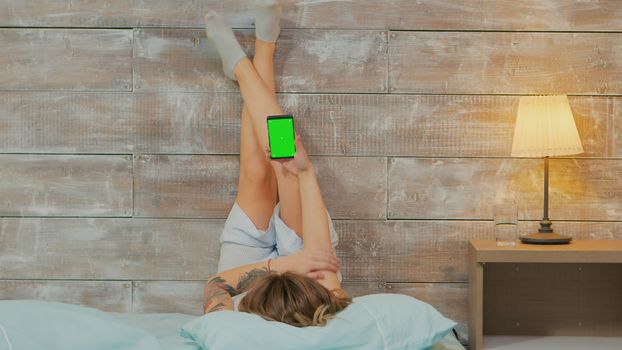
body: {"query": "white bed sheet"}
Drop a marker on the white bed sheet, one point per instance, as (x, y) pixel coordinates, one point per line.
(505, 342)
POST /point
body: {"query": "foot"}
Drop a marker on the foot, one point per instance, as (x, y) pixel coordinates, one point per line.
(267, 20)
(227, 45)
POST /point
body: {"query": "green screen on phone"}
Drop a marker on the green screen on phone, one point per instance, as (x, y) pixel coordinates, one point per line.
(281, 136)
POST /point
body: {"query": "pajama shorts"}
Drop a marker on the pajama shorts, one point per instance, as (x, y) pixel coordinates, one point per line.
(242, 243)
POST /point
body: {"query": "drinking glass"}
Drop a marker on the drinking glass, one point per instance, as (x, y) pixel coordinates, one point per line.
(506, 223)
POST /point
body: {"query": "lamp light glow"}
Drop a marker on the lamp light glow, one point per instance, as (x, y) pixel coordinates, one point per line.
(545, 127)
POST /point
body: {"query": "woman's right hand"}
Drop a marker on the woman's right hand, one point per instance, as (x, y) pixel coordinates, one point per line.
(309, 262)
(296, 165)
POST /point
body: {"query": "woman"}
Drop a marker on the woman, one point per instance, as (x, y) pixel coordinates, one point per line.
(277, 258)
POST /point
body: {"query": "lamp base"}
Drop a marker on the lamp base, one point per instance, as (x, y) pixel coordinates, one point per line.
(545, 238)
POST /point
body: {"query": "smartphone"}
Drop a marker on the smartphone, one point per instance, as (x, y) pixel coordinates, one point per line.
(281, 136)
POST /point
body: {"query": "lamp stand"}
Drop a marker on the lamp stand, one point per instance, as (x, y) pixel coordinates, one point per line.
(545, 233)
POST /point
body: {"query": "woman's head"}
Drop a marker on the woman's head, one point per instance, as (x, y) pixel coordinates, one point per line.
(293, 299)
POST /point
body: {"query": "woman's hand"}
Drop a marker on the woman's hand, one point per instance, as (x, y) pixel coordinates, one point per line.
(295, 165)
(309, 262)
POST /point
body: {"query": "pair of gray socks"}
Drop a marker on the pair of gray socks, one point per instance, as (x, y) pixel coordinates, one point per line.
(267, 28)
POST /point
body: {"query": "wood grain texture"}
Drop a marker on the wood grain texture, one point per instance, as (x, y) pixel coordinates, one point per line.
(187, 297)
(104, 295)
(305, 61)
(553, 15)
(528, 15)
(65, 185)
(119, 122)
(362, 249)
(408, 251)
(118, 249)
(65, 59)
(188, 249)
(441, 125)
(206, 186)
(139, 249)
(185, 186)
(353, 187)
(348, 124)
(585, 189)
(168, 296)
(464, 188)
(431, 251)
(509, 63)
(579, 189)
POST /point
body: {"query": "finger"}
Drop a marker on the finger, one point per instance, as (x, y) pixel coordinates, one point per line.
(328, 256)
(297, 140)
(336, 262)
(316, 275)
(326, 265)
(331, 259)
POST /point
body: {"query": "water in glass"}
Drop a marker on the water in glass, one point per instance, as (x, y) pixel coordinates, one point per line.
(506, 223)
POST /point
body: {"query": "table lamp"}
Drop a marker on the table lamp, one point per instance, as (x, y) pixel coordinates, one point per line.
(545, 127)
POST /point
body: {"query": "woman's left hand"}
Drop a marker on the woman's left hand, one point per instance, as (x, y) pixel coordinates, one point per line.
(309, 262)
(296, 165)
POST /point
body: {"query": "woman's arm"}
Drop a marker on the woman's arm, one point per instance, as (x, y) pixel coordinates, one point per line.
(315, 226)
(222, 286)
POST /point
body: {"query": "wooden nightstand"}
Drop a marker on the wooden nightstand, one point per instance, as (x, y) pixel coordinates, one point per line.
(545, 291)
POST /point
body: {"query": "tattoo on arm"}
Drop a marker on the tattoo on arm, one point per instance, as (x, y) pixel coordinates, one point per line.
(217, 297)
(218, 292)
(247, 278)
(219, 282)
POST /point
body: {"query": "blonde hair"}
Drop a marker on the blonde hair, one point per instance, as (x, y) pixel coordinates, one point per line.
(293, 299)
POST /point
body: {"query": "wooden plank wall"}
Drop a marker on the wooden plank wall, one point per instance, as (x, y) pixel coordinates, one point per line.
(119, 138)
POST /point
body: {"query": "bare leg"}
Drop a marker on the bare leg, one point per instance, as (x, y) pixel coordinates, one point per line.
(256, 103)
(261, 103)
(253, 200)
(257, 186)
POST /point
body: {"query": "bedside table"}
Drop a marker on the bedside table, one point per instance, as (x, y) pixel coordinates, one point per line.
(549, 293)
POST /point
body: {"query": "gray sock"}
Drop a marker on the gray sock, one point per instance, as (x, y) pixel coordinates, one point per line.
(267, 20)
(227, 45)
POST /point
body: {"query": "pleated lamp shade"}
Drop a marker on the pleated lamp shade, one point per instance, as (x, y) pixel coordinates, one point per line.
(545, 127)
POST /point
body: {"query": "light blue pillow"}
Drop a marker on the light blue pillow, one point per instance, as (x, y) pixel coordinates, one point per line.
(378, 321)
(39, 325)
